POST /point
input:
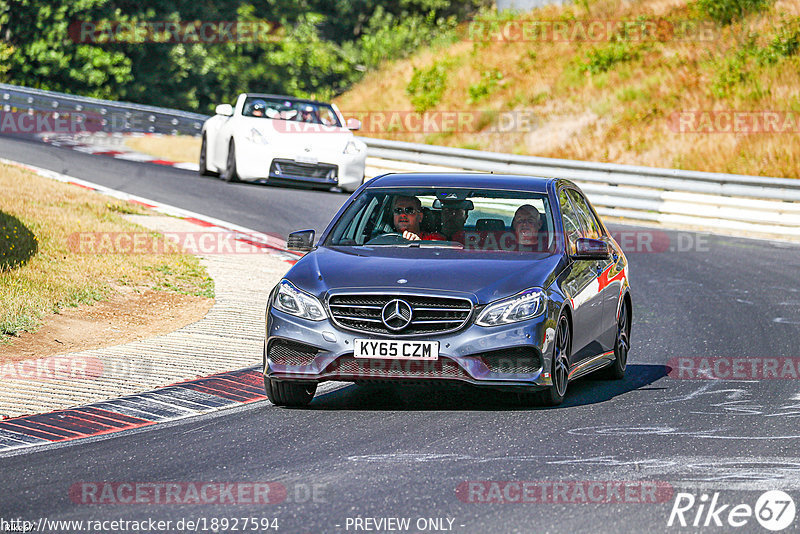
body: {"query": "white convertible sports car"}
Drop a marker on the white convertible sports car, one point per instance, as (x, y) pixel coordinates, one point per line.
(283, 139)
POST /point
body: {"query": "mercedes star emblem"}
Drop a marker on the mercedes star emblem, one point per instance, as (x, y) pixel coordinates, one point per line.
(396, 315)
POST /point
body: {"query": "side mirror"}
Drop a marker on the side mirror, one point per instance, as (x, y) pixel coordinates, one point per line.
(301, 241)
(224, 109)
(353, 124)
(591, 249)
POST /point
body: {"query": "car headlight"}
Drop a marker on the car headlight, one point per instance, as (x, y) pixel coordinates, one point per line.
(520, 307)
(291, 300)
(352, 148)
(255, 136)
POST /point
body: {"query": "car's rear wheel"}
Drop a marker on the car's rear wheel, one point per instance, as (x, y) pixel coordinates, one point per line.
(230, 174)
(203, 163)
(282, 393)
(559, 371)
(622, 345)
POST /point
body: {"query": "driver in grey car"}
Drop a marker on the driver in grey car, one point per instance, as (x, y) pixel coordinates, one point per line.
(407, 217)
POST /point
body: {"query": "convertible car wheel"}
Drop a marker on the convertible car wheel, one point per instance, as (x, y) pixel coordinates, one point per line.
(230, 175)
(202, 165)
(622, 345)
(289, 393)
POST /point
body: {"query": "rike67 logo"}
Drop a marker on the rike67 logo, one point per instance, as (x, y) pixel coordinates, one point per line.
(774, 510)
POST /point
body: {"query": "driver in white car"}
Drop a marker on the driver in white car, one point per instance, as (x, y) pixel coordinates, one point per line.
(259, 108)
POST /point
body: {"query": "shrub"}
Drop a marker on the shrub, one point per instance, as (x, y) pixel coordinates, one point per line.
(604, 58)
(726, 11)
(427, 85)
(486, 85)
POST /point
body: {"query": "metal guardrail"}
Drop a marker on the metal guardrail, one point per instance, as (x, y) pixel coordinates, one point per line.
(102, 115)
(744, 204)
(708, 200)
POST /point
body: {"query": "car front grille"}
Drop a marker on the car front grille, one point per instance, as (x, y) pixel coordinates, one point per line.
(373, 368)
(284, 352)
(284, 168)
(430, 315)
(518, 360)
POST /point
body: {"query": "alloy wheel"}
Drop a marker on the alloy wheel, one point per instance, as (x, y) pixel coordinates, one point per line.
(561, 357)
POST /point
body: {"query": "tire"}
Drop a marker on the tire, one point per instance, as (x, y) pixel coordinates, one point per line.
(554, 394)
(203, 163)
(282, 393)
(622, 345)
(230, 175)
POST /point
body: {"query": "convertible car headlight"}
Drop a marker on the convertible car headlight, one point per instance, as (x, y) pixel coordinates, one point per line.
(291, 300)
(352, 148)
(520, 307)
(255, 136)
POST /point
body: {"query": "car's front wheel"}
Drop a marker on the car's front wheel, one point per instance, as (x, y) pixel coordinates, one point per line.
(559, 371)
(554, 394)
(230, 174)
(203, 163)
(282, 393)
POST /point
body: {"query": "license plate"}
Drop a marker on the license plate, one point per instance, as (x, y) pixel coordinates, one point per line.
(306, 160)
(396, 350)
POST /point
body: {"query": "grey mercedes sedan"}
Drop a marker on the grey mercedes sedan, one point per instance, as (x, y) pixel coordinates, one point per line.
(508, 282)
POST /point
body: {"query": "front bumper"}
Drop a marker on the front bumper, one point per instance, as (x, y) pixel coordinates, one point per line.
(504, 356)
(258, 162)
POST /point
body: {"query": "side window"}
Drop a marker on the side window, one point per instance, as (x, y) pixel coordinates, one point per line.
(572, 226)
(586, 216)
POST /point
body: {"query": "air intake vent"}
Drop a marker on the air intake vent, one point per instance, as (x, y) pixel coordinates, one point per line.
(518, 360)
(283, 352)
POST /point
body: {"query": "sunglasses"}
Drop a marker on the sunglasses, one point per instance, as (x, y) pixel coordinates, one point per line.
(408, 211)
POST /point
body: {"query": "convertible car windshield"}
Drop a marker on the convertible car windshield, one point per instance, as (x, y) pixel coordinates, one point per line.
(290, 110)
(485, 220)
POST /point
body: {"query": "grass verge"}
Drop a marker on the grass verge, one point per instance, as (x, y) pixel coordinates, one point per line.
(40, 274)
(177, 148)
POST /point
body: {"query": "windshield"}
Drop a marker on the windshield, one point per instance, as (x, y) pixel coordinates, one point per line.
(470, 219)
(288, 109)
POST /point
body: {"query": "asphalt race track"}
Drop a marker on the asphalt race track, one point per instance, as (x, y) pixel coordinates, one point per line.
(413, 452)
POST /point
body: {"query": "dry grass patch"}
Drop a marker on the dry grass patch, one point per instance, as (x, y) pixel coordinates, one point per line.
(612, 100)
(177, 148)
(50, 276)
